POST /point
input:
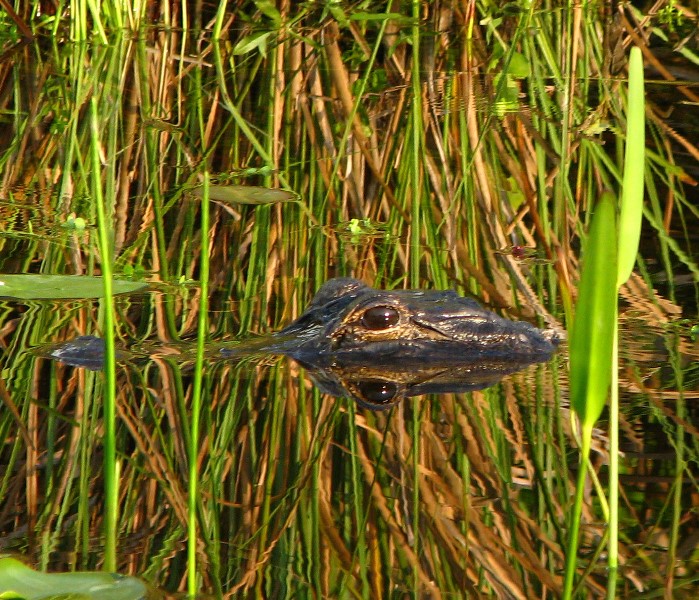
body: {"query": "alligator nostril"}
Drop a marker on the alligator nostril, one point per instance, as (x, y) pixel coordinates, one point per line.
(378, 318)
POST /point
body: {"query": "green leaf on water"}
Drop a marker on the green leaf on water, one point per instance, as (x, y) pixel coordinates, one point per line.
(52, 287)
(592, 333)
(76, 223)
(19, 581)
(247, 194)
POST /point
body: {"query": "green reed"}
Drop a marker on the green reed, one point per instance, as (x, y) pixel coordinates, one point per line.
(631, 208)
(609, 257)
(111, 489)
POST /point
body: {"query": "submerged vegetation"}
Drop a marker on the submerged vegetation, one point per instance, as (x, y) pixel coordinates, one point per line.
(424, 145)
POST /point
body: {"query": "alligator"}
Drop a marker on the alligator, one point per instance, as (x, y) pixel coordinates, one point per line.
(379, 346)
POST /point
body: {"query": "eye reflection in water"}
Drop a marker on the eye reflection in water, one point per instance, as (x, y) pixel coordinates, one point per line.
(381, 386)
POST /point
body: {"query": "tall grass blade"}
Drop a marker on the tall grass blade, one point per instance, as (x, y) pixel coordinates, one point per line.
(591, 343)
(202, 332)
(104, 238)
(632, 190)
(417, 150)
(629, 236)
(198, 383)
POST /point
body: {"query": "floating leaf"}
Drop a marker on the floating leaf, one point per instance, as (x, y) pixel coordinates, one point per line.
(52, 287)
(358, 231)
(19, 581)
(76, 223)
(247, 194)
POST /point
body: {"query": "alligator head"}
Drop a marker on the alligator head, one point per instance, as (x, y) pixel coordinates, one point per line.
(350, 321)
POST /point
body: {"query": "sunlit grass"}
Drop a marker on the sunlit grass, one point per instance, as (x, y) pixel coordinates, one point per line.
(106, 251)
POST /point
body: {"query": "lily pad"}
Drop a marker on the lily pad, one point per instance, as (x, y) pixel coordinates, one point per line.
(52, 287)
(246, 194)
(18, 581)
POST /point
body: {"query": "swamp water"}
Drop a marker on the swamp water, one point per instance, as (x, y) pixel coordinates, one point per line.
(400, 181)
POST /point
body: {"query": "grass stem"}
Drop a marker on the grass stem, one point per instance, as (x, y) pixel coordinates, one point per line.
(105, 245)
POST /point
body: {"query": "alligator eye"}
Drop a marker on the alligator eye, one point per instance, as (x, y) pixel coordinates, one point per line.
(377, 393)
(378, 318)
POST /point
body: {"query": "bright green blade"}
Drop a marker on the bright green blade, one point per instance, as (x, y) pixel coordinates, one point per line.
(632, 191)
(592, 334)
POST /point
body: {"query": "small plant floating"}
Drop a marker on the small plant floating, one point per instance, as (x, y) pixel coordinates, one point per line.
(246, 194)
(75, 223)
(56, 287)
(356, 231)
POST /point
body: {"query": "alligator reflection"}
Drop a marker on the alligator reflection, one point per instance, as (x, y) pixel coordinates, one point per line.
(379, 387)
(380, 346)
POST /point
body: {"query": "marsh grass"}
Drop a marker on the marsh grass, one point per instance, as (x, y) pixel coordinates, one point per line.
(106, 253)
(368, 116)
